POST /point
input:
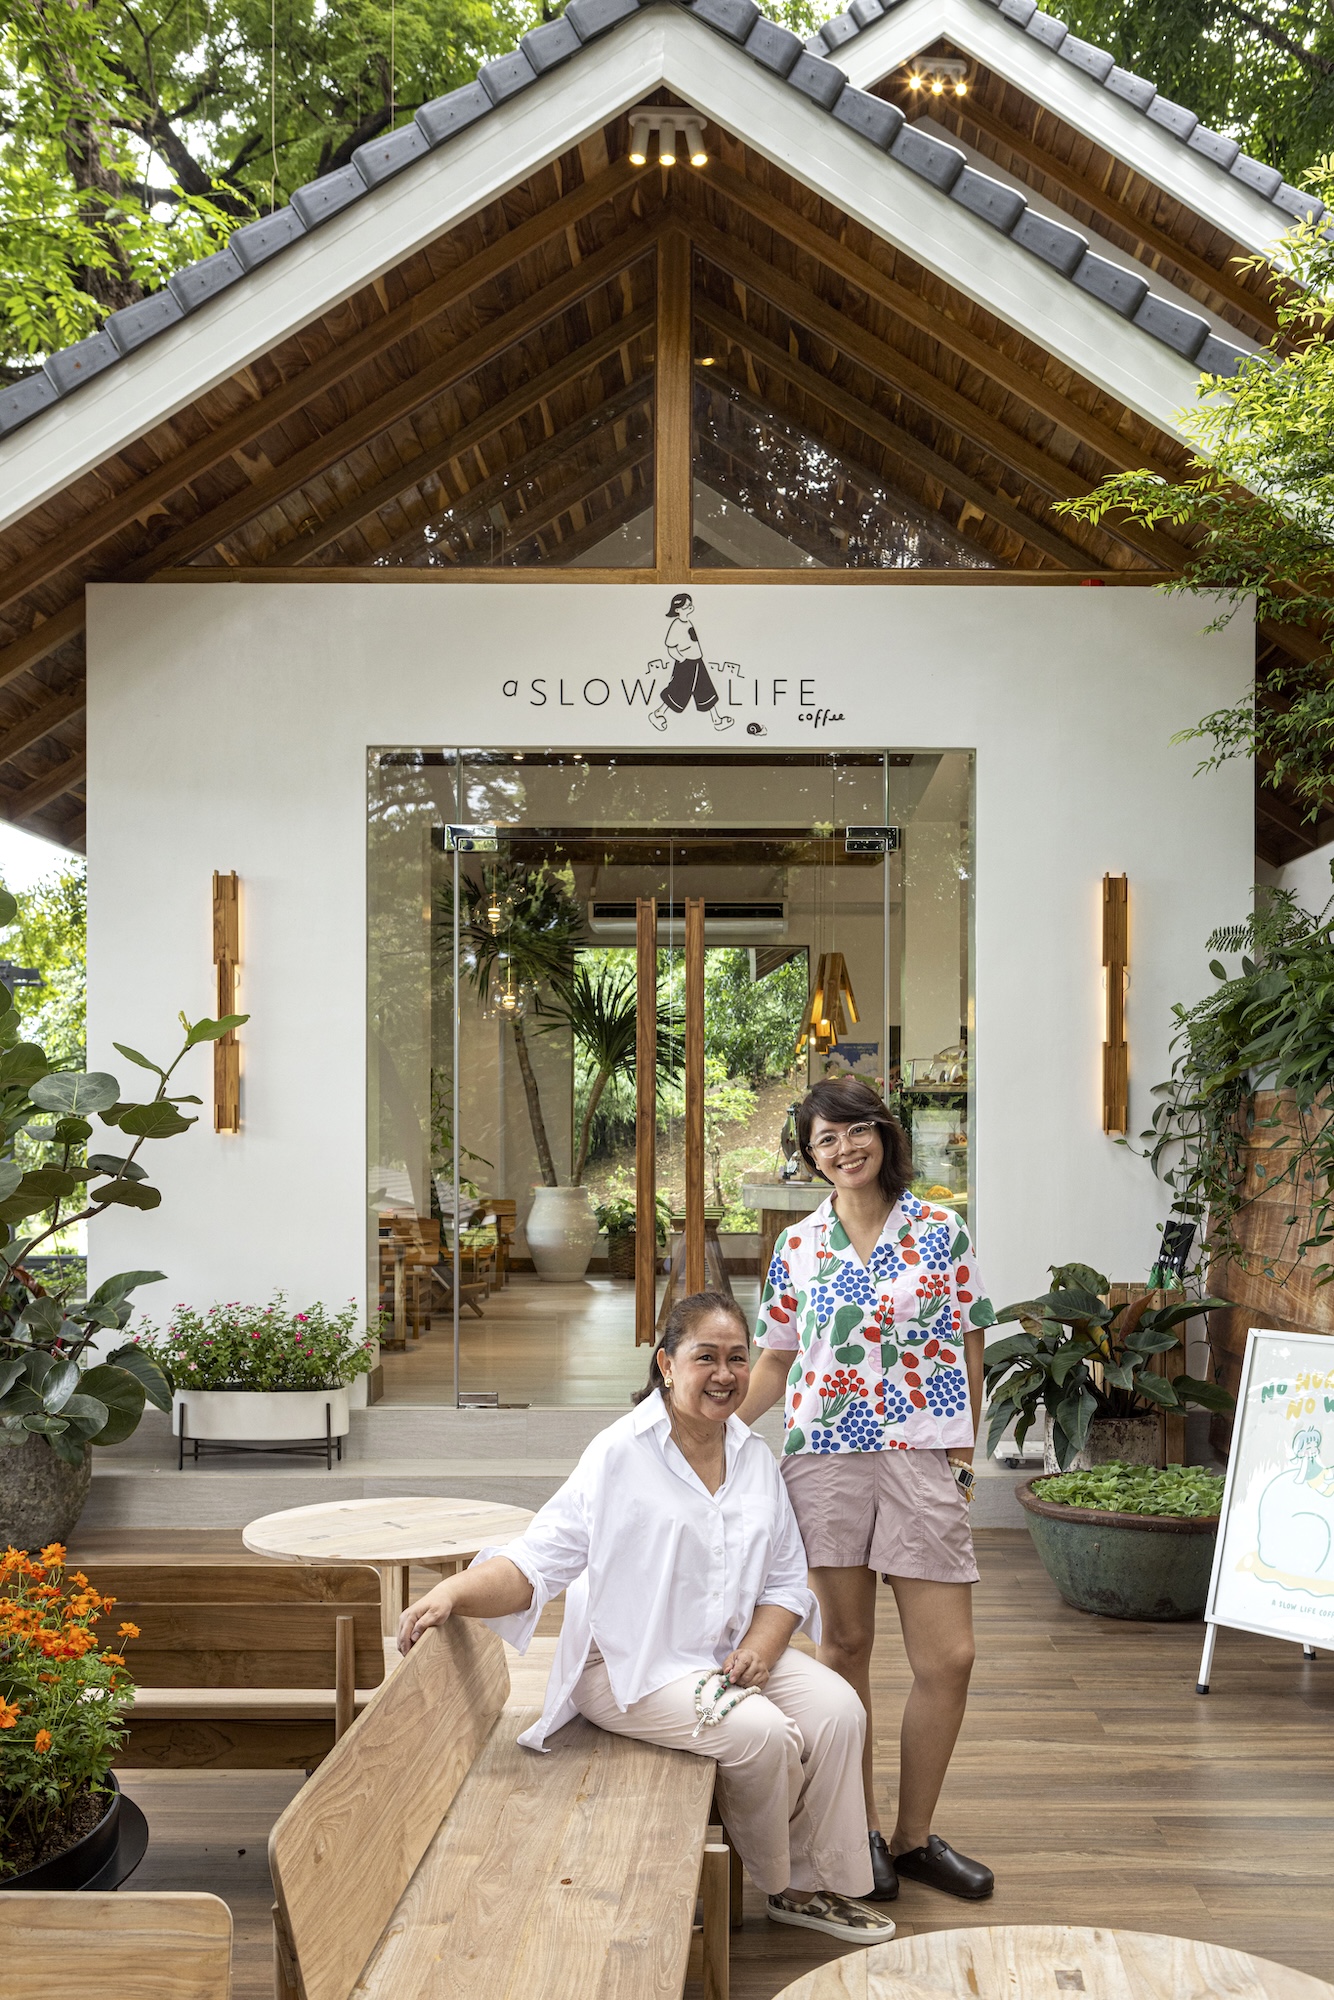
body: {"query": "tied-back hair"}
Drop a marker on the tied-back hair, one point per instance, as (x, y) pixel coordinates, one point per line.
(850, 1100)
(684, 1317)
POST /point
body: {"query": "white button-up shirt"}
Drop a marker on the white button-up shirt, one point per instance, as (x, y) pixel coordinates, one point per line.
(660, 1574)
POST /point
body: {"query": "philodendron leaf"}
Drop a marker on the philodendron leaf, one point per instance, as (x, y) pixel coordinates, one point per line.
(1208, 1395)
(123, 1395)
(73, 1093)
(159, 1120)
(112, 1163)
(135, 1361)
(126, 1194)
(1156, 1389)
(213, 1031)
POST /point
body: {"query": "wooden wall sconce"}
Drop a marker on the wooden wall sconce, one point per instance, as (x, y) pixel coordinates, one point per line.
(226, 957)
(1115, 963)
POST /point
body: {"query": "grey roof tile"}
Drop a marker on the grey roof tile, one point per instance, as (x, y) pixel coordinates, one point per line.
(1300, 203)
(1172, 324)
(1254, 174)
(864, 12)
(773, 47)
(21, 400)
(930, 159)
(733, 18)
(1173, 118)
(1045, 28)
(991, 201)
(71, 367)
(380, 159)
(255, 242)
(505, 76)
(591, 18)
(1095, 62)
(1111, 284)
(1136, 90)
(1214, 146)
(1056, 245)
(551, 44)
(840, 29)
(133, 325)
(445, 116)
(871, 116)
(823, 82)
(1020, 12)
(198, 283)
(319, 200)
(1219, 357)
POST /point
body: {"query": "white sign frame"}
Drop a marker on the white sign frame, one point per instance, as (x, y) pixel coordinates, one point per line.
(1305, 1401)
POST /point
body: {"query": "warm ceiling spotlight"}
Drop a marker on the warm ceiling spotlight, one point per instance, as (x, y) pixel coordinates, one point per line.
(695, 143)
(708, 361)
(940, 76)
(639, 132)
(914, 83)
(678, 130)
(961, 88)
(667, 146)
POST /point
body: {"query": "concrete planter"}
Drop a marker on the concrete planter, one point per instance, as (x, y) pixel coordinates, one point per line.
(41, 1497)
(1131, 1440)
(1144, 1566)
(259, 1416)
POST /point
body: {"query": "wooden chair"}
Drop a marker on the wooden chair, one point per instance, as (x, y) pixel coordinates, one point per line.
(409, 1254)
(244, 1666)
(505, 1215)
(123, 1946)
(430, 1856)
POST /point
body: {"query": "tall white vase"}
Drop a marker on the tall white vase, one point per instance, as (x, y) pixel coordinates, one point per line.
(561, 1230)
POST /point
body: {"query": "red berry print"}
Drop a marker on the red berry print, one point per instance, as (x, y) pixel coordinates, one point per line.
(913, 1381)
(810, 1377)
(947, 1356)
(931, 1349)
(917, 1399)
(961, 1274)
(911, 1256)
(794, 1243)
(966, 1298)
(911, 1361)
(785, 1299)
(781, 1317)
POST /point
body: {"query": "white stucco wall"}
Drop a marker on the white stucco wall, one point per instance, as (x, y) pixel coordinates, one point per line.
(228, 728)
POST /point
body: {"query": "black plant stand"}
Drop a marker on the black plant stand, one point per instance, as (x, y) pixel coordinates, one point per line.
(326, 1447)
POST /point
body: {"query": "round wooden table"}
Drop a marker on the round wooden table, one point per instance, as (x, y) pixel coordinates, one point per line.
(391, 1534)
(1045, 1962)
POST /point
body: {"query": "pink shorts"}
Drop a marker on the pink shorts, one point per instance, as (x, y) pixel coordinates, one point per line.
(899, 1512)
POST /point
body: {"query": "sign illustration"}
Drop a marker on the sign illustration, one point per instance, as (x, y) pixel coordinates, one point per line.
(691, 680)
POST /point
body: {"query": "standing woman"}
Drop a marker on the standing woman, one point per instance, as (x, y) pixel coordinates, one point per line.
(871, 1319)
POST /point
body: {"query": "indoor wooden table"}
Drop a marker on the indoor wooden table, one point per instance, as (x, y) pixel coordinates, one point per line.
(391, 1534)
(1042, 1962)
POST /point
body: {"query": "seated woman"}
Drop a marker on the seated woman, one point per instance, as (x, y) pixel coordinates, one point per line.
(685, 1578)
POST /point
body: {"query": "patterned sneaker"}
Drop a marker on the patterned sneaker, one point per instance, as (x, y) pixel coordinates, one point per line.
(854, 1923)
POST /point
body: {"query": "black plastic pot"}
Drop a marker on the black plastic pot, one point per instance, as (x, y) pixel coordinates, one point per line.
(103, 1859)
(1146, 1566)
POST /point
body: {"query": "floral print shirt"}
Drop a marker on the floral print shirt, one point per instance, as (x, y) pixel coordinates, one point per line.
(879, 1347)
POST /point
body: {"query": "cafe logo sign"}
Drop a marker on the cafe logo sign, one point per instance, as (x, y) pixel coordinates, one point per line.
(670, 688)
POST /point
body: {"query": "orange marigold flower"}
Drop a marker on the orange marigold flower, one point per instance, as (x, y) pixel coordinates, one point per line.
(9, 1713)
(117, 1659)
(79, 1579)
(54, 1553)
(41, 1742)
(127, 1631)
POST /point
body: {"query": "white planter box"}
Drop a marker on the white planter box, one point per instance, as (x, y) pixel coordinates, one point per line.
(256, 1416)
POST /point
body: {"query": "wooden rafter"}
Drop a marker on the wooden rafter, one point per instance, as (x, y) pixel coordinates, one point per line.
(547, 509)
(147, 493)
(24, 805)
(30, 729)
(672, 466)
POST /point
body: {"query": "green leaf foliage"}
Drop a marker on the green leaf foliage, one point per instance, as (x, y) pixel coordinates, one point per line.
(211, 1031)
(23, 1063)
(158, 1120)
(73, 1093)
(126, 1194)
(123, 1395)
(1178, 1492)
(137, 1361)
(113, 1163)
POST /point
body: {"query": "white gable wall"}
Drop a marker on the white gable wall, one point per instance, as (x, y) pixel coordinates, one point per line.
(229, 725)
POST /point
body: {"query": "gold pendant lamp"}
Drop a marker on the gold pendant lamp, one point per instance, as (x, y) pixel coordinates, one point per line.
(832, 1007)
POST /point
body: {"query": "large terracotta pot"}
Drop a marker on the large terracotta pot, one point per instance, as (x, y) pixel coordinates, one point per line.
(562, 1231)
(1146, 1566)
(1271, 1287)
(41, 1496)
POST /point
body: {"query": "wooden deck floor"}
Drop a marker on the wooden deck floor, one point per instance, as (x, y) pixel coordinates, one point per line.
(1093, 1779)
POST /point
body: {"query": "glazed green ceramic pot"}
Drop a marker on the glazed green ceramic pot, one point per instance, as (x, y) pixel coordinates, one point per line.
(1145, 1566)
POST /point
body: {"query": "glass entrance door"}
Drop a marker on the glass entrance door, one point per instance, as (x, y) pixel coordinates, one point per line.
(503, 894)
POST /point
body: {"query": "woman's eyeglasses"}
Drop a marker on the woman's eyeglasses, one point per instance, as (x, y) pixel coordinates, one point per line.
(828, 1143)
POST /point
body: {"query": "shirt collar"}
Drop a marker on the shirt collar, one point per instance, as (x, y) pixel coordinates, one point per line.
(651, 1414)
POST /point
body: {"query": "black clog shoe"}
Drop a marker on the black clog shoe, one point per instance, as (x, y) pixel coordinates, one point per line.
(940, 1867)
(886, 1887)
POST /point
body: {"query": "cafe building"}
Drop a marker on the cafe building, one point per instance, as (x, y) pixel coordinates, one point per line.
(605, 543)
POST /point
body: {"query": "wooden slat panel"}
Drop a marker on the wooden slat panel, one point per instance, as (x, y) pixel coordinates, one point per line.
(673, 488)
(233, 1744)
(226, 1582)
(646, 1115)
(694, 1081)
(345, 1849)
(117, 1946)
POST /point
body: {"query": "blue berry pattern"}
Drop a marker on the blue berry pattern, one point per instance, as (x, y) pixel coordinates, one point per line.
(947, 1392)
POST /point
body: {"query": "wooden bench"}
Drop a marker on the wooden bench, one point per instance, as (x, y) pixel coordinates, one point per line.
(115, 1947)
(430, 1855)
(244, 1666)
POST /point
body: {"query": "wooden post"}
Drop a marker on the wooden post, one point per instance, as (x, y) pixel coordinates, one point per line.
(694, 1094)
(345, 1676)
(226, 955)
(1115, 959)
(715, 1884)
(646, 1114)
(672, 488)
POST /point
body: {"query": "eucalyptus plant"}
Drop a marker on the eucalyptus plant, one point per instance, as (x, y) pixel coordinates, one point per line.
(1079, 1359)
(53, 1385)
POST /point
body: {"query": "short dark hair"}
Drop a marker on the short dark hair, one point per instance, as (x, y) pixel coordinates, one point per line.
(850, 1100)
(682, 1320)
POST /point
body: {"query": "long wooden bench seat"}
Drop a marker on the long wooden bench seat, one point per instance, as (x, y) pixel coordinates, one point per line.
(244, 1666)
(430, 1856)
(89, 1946)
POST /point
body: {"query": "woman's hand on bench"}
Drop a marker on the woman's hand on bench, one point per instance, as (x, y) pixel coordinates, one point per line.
(494, 1589)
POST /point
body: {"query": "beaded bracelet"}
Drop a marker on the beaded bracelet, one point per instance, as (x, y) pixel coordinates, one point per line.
(713, 1710)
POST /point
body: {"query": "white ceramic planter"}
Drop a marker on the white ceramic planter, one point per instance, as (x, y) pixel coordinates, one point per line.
(562, 1231)
(258, 1416)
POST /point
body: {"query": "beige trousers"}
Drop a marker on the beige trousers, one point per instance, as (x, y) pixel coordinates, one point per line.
(789, 1768)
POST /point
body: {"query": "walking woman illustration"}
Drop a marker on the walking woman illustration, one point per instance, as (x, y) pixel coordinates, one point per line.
(691, 680)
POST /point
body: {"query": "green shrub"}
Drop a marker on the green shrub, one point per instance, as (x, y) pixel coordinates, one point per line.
(262, 1347)
(1183, 1492)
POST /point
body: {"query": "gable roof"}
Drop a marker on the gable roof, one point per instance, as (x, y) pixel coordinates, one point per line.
(570, 73)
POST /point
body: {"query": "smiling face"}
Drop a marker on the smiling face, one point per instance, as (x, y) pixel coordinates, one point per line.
(850, 1156)
(710, 1370)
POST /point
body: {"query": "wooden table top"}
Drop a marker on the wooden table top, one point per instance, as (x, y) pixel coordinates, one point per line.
(414, 1528)
(1042, 1962)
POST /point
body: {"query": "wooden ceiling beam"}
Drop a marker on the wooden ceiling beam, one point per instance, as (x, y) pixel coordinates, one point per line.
(545, 512)
(147, 493)
(622, 511)
(919, 313)
(20, 806)
(30, 729)
(436, 457)
(1109, 206)
(905, 377)
(871, 423)
(43, 640)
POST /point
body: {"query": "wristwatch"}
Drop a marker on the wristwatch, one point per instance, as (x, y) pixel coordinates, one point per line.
(964, 1478)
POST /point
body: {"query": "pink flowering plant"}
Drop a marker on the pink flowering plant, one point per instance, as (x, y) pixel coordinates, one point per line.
(263, 1347)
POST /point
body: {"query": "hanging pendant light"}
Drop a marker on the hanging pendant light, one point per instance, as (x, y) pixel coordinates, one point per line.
(832, 1007)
